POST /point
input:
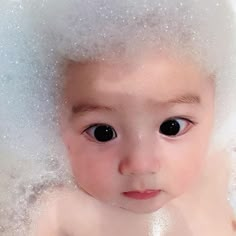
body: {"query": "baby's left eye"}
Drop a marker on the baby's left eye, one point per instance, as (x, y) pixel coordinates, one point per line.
(174, 126)
(101, 132)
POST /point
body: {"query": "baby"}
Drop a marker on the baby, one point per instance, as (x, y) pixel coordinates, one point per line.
(141, 105)
(138, 134)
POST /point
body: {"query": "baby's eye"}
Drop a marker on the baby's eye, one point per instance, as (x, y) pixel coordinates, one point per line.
(174, 126)
(101, 132)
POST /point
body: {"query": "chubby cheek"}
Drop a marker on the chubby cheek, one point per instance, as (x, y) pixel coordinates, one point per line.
(186, 159)
(93, 170)
(184, 169)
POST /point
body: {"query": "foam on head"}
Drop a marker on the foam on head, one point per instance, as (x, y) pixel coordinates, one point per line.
(38, 36)
(107, 30)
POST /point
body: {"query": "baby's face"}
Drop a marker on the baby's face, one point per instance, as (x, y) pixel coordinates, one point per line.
(137, 134)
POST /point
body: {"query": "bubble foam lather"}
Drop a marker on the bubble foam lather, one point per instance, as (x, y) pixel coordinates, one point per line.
(106, 30)
(38, 36)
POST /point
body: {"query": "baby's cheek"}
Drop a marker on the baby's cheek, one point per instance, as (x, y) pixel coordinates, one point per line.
(97, 181)
(71, 141)
(184, 174)
(94, 172)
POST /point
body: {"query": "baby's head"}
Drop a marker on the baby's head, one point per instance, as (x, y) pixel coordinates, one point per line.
(143, 94)
(138, 131)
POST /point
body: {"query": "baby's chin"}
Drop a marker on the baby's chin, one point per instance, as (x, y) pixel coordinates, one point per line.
(143, 206)
(141, 210)
(135, 206)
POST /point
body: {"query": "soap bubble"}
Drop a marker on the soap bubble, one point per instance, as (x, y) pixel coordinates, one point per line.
(37, 37)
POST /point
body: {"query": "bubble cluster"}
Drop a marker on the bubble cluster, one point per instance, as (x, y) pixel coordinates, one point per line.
(29, 154)
(38, 36)
(106, 30)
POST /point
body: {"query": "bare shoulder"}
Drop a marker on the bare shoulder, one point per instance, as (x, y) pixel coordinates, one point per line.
(62, 212)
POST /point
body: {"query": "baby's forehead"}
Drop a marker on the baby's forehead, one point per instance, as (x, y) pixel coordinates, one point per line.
(132, 64)
(150, 76)
(146, 65)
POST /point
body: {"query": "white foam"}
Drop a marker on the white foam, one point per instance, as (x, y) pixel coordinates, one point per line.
(36, 36)
(85, 30)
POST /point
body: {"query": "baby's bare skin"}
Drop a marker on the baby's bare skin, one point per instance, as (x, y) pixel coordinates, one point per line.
(205, 210)
(202, 211)
(134, 108)
(73, 213)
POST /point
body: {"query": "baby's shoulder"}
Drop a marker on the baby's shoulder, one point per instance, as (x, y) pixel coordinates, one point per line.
(63, 211)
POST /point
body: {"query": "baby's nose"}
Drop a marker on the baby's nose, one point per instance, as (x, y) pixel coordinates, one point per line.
(140, 160)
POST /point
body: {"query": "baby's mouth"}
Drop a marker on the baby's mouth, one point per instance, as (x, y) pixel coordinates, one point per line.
(142, 195)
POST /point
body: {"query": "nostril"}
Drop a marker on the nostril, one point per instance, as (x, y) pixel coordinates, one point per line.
(140, 161)
(130, 169)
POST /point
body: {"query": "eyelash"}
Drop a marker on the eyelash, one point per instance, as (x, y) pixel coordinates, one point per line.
(190, 120)
(94, 125)
(185, 130)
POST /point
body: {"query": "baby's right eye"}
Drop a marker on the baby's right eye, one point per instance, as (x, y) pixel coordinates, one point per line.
(101, 132)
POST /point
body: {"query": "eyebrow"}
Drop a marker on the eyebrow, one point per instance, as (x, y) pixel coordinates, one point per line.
(186, 98)
(82, 108)
(89, 107)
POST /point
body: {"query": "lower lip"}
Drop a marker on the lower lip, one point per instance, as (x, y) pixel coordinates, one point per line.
(142, 195)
